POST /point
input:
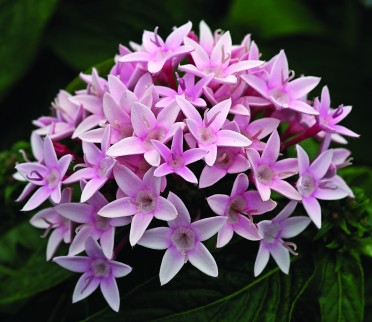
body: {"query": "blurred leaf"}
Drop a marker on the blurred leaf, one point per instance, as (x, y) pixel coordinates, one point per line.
(272, 18)
(360, 177)
(21, 23)
(235, 296)
(341, 295)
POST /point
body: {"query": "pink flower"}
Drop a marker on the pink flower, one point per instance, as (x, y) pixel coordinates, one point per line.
(143, 202)
(236, 208)
(182, 240)
(313, 183)
(98, 271)
(48, 176)
(268, 173)
(273, 232)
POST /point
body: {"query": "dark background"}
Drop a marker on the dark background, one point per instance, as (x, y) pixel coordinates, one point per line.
(44, 44)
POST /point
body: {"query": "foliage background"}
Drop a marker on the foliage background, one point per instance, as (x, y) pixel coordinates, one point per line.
(44, 44)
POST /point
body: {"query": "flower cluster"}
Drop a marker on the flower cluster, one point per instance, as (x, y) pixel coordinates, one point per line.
(183, 116)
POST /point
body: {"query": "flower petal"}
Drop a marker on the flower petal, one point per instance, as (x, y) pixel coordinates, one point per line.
(218, 203)
(156, 238)
(262, 259)
(78, 264)
(206, 228)
(293, 226)
(171, 264)
(183, 217)
(224, 235)
(313, 209)
(281, 257)
(246, 229)
(201, 258)
(139, 224)
(165, 210)
(110, 292)
(85, 286)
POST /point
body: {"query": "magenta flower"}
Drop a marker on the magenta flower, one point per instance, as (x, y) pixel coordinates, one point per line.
(143, 201)
(155, 52)
(49, 219)
(176, 160)
(48, 176)
(97, 168)
(218, 61)
(147, 127)
(273, 232)
(238, 208)
(268, 173)
(98, 271)
(182, 240)
(280, 90)
(207, 132)
(313, 183)
(91, 224)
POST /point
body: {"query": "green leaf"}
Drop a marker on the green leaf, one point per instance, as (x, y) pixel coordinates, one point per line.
(235, 296)
(272, 18)
(341, 296)
(21, 23)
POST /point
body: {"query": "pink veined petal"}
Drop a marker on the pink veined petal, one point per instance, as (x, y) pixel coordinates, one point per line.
(286, 168)
(262, 127)
(50, 157)
(281, 257)
(199, 55)
(37, 198)
(171, 264)
(143, 119)
(40, 219)
(240, 185)
(286, 189)
(85, 286)
(263, 190)
(177, 142)
(97, 200)
(93, 249)
(243, 65)
(206, 37)
(192, 69)
(55, 196)
(92, 154)
(186, 174)
(77, 212)
(293, 226)
(201, 258)
(165, 210)
(313, 209)
(127, 146)
(189, 110)
(246, 229)
(139, 224)
(118, 208)
(321, 164)
(110, 292)
(303, 160)
(183, 217)
(54, 241)
(193, 155)
(87, 124)
(254, 158)
(119, 269)
(271, 152)
(262, 259)
(93, 136)
(210, 157)
(152, 183)
(85, 173)
(206, 228)
(218, 203)
(218, 114)
(232, 139)
(168, 115)
(152, 157)
(211, 175)
(156, 238)
(128, 182)
(240, 164)
(116, 86)
(107, 242)
(135, 57)
(302, 107)
(175, 39)
(91, 188)
(224, 235)
(325, 99)
(286, 211)
(300, 87)
(254, 201)
(345, 131)
(333, 193)
(162, 149)
(221, 49)
(63, 164)
(279, 70)
(163, 170)
(256, 83)
(78, 243)
(156, 64)
(78, 264)
(37, 146)
(26, 191)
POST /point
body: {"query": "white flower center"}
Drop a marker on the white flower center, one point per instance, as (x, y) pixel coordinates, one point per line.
(53, 178)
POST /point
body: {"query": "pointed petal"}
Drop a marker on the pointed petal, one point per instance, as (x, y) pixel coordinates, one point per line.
(183, 217)
(293, 226)
(240, 164)
(165, 210)
(85, 286)
(152, 157)
(303, 160)
(201, 258)
(279, 70)
(271, 152)
(91, 153)
(210, 157)
(300, 87)
(218, 114)
(313, 209)
(263, 190)
(286, 168)
(77, 212)
(139, 224)
(156, 238)
(85, 173)
(218, 203)
(187, 174)
(193, 155)
(50, 157)
(335, 192)
(246, 229)
(206, 228)
(128, 182)
(175, 39)
(258, 84)
(93, 249)
(87, 124)
(110, 292)
(286, 189)
(321, 164)
(171, 264)
(127, 146)
(119, 269)
(118, 208)
(37, 198)
(78, 264)
(262, 259)
(107, 242)
(241, 184)
(91, 188)
(189, 110)
(254, 201)
(78, 243)
(302, 107)
(199, 55)
(281, 257)
(210, 175)
(224, 235)
(232, 139)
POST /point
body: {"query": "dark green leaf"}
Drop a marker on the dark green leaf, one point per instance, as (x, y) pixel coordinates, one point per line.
(341, 295)
(21, 23)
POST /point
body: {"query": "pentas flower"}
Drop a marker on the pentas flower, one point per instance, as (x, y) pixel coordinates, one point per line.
(143, 202)
(98, 271)
(273, 231)
(48, 176)
(91, 224)
(97, 168)
(182, 240)
(155, 52)
(207, 132)
(314, 183)
(50, 220)
(280, 90)
(268, 173)
(218, 61)
(238, 208)
(176, 160)
(146, 128)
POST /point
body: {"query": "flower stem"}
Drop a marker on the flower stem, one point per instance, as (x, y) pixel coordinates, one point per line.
(310, 132)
